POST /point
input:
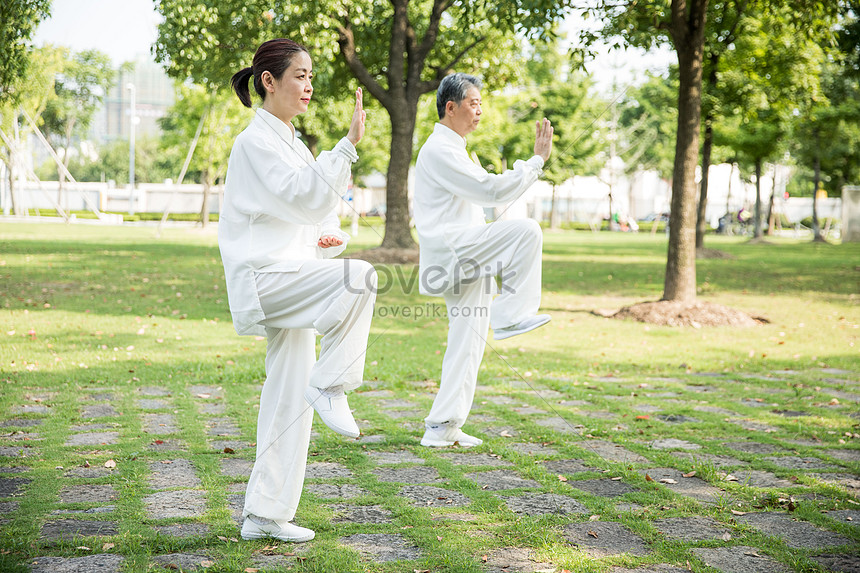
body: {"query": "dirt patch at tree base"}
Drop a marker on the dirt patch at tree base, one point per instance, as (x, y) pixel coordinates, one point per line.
(697, 314)
(380, 256)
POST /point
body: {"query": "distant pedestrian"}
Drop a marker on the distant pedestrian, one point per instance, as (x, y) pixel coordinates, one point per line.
(277, 227)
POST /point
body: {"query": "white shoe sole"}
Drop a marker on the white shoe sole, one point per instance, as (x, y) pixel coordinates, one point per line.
(253, 535)
(503, 334)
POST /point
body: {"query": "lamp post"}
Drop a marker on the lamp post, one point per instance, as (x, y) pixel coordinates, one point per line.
(131, 120)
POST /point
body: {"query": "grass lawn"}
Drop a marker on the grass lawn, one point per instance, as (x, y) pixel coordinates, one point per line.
(111, 331)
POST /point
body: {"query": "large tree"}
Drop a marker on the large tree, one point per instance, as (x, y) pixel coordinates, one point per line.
(683, 23)
(398, 50)
(18, 20)
(80, 88)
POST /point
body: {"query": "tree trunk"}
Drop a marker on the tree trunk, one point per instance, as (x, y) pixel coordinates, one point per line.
(757, 223)
(771, 216)
(553, 214)
(11, 173)
(207, 190)
(688, 24)
(707, 146)
(398, 234)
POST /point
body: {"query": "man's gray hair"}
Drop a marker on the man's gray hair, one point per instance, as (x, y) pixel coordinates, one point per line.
(453, 88)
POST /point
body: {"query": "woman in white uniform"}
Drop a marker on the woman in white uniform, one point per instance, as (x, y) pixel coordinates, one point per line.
(277, 233)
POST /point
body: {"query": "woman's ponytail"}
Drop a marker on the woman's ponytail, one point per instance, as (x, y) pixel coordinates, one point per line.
(239, 81)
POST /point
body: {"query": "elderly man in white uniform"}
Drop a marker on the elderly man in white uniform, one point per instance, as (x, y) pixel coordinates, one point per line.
(276, 230)
(460, 254)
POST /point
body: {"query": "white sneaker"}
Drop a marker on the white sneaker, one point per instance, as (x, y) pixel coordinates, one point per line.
(448, 436)
(259, 527)
(331, 405)
(525, 326)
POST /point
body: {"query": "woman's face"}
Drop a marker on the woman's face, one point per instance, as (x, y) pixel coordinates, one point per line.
(291, 94)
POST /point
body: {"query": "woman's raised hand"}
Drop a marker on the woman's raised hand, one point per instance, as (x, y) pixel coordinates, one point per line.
(543, 139)
(356, 127)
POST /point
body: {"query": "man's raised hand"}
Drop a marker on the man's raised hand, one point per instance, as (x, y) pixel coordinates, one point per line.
(543, 138)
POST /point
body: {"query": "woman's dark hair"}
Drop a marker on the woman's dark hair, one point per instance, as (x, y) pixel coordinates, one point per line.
(274, 57)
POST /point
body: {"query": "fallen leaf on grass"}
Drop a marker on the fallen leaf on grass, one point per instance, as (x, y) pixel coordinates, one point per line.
(207, 563)
(107, 546)
(229, 451)
(505, 434)
(251, 570)
(689, 475)
(736, 512)
(648, 478)
(726, 536)
(204, 396)
(730, 477)
(594, 518)
(110, 464)
(561, 478)
(643, 417)
(618, 478)
(483, 558)
(592, 533)
(83, 548)
(668, 480)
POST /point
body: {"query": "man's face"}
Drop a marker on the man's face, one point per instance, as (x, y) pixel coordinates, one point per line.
(465, 116)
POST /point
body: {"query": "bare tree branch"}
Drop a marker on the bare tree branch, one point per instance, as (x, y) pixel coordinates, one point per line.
(346, 41)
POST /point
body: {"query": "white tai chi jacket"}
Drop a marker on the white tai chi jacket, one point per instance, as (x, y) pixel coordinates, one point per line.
(450, 192)
(278, 202)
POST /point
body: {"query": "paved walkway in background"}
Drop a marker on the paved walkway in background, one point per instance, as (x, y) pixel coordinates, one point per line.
(177, 504)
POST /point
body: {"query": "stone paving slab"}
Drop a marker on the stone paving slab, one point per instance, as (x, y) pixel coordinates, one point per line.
(93, 439)
(427, 496)
(382, 547)
(659, 568)
(414, 475)
(222, 427)
(327, 470)
(847, 516)
(204, 392)
(692, 529)
(797, 463)
(21, 422)
(101, 563)
(167, 445)
(152, 404)
(10, 487)
(839, 563)
(693, 487)
(754, 447)
(740, 559)
(345, 513)
(183, 561)
(603, 487)
(850, 482)
(99, 411)
(72, 528)
(497, 480)
(798, 534)
(612, 452)
(537, 450)
(90, 511)
(328, 490)
(604, 539)
(172, 473)
(515, 560)
(760, 478)
(718, 461)
(475, 459)
(183, 530)
(88, 494)
(236, 467)
(179, 503)
(567, 467)
(160, 424)
(545, 503)
(398, 457)
(846, 455)
(674, 444)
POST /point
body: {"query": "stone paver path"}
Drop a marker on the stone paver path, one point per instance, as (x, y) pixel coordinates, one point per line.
(167, 467)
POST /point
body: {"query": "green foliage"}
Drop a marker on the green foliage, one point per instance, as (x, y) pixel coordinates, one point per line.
(649, 121)
(18, 20)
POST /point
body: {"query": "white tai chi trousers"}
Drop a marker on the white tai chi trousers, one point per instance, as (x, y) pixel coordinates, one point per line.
(336, 298)
(509, 249)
